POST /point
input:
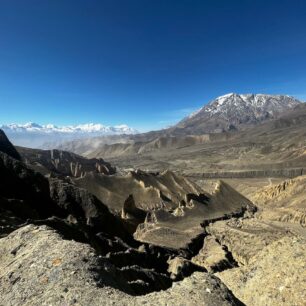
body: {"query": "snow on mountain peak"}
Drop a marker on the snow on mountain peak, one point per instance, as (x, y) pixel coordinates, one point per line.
(32, 125)
(256, 102)
(233, 110)
(97, 128)
(35, 135)
(226, 96)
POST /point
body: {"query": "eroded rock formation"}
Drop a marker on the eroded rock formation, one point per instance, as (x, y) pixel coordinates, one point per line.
(284, 202)
(63, 163)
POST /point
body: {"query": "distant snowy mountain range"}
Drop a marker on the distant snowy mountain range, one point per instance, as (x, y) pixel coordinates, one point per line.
(81, 128)
(35, 135)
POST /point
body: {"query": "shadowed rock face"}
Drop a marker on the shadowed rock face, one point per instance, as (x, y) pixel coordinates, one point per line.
(7, 147)
(78, 204)
(30, 195)
(8, 221)
(25, 192)
(131, 214)
(63, 163)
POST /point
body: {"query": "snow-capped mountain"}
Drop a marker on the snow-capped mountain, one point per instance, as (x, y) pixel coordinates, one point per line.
(236, 111)
(35, 135)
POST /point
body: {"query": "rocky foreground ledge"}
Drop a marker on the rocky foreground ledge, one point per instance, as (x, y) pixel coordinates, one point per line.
(38, 267)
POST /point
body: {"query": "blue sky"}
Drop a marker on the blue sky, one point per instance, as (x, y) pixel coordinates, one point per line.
(146, 63)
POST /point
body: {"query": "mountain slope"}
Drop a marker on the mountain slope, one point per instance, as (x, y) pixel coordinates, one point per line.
(277, 145)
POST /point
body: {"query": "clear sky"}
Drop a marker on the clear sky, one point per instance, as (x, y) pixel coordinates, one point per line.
(146, 63)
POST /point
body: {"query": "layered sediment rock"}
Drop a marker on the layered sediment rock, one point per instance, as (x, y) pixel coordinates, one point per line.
(284, 172)
(244, 238)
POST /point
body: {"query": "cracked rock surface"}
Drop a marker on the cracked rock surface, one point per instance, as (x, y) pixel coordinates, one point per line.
(274, 276)
(38, 267)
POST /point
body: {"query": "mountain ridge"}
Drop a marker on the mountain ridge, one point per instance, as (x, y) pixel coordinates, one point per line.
(243, 96)
(193, 129)
(236, 111)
